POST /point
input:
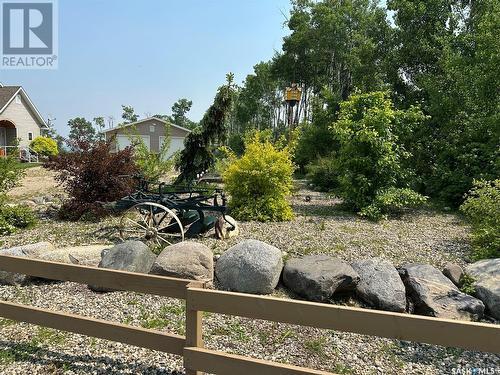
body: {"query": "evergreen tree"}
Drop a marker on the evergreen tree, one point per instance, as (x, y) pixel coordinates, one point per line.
(198, 153)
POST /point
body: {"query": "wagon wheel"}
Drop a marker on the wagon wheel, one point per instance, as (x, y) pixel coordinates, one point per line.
(152, 223)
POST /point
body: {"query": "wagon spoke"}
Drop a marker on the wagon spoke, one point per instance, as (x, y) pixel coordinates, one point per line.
(163, 218)
(132, 230)
(136, 223)
(150, 218)
(163, 239)
(170, 225)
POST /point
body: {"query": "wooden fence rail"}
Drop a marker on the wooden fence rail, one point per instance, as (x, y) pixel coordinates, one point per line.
(197, 359)
(102, 329)
(446, 332)
(106, 278)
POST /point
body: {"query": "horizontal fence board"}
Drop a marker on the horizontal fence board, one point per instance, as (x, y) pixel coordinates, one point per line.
(144, 338)
(107, 278)
(221, 363)
(446, 332)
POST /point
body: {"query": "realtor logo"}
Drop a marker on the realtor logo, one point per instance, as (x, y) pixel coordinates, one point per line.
(29, 35)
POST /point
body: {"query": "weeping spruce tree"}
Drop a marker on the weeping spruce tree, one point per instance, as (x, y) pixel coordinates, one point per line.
(199, 145)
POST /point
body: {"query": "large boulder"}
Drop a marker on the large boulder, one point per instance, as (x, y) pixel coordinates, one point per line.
(186, 260)
(431, 293)
(89, 255)
(318, 277)
(487, 283)
(251, 266)
(131, 256)
(31, 251)
(380, 285)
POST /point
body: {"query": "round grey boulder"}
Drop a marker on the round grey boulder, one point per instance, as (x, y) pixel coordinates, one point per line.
(251, 266)
(131, 256)
(318, 277)
(380, 285)
(185, 260)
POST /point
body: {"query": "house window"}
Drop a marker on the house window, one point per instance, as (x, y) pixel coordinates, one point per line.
(18, 99)
(30, 136)
(151, 128)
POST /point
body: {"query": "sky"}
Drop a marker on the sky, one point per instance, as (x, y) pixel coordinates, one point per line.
(149, 53)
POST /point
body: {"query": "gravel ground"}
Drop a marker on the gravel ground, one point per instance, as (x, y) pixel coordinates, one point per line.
(37, 181)
(319, 227)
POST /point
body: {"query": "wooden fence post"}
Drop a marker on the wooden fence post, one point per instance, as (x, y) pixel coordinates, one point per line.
(194, 330)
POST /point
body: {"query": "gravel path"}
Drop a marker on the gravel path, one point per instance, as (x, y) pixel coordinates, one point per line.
(319, 227)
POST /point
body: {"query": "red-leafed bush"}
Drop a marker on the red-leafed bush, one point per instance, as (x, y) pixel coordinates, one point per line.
(91, 176)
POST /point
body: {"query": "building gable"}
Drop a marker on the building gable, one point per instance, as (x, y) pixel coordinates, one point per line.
(153, 128)
(10, 99)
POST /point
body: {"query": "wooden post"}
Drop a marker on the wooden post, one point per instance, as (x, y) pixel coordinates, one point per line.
(194, 331)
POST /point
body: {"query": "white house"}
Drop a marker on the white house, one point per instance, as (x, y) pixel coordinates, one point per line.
(152, 131)
(19, 119)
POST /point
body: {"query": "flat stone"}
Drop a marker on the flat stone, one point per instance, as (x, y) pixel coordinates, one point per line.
(318, 277)
(433, 294)
(34, 249)
(89, 255)
(380, 284)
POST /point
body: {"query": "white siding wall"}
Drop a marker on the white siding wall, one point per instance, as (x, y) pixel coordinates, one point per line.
(22, 117)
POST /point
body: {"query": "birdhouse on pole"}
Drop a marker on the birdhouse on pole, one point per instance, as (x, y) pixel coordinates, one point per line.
(292, 97)
(293, 94)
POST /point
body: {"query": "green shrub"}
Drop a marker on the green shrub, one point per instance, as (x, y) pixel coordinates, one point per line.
(314, 141)
(482, 207)
(372, 158)
(10, 174)
(18, 216)
(323, 174)
(44, 146)
(260, 181)
(392, 201)
(14, 217)
(5, 227)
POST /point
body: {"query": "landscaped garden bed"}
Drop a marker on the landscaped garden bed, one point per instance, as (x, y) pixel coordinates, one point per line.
(320, 227)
